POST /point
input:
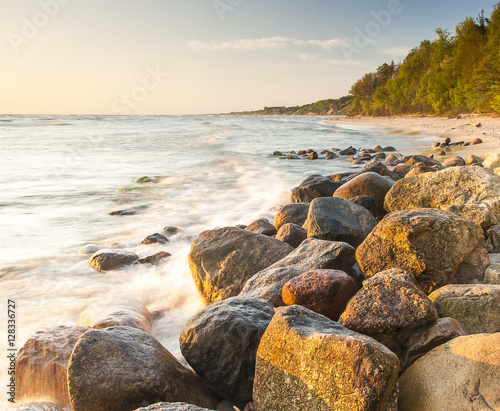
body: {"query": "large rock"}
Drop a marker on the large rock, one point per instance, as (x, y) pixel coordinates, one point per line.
(172, 406)
(475, 306)
(116, 311)
(388, 309)
(492, 274)
(291, 234)
(110, 259)
(42, 364)
(471, 271)
(421, 342)
(262, 226)
(123, 368)
(313, 187)
(411, 160)
(454, 162)
(492, 161)
(338, 219)
(221, 341)
(462, 374)
(222, 260)
(307, 362)
(369, 184)
(472, 192)
(429, 243)
(325, 292)
(37, 406)
(493, 239)
(312, 254)
(295, 213)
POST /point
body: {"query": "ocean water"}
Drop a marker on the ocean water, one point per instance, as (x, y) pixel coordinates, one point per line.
(61, 177)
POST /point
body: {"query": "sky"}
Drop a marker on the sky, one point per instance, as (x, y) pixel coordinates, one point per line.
(203, 56)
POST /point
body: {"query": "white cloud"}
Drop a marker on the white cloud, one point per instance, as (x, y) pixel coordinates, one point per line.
(400, 51)
(267, 43)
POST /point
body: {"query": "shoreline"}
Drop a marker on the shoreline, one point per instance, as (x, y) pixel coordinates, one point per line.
(457, 129)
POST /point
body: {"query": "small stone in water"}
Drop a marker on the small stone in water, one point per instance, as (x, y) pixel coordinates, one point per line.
(89, 249)
(154, 259)
(123, 212)
(146, 179)
(155, 238)
(169, 229)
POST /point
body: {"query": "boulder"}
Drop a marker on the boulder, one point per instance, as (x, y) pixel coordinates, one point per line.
(291, 234)
(473, 159)
(398, 274)
(350, 151)
(371, 167)
(493, 239)
(338, 219)
(312, 254)
(454, 162)
(471, 271)
(312, 156)
(295, 213)
(222, 260)
(323, 291)
(492, 161)
(411, 160)
(123, 368)
(110, 259)
(369, 184)
(429, 243)
(262, 226)
(89, 249)
(42, 363)
(38, 406)
(475, 306)
(340, 176)
(462, 374)
(172, 406)
(476, 141)
(492, 274)
(421, 168)
(155, 238)
(400, 171)
(423, 341)
(220, 344)
(307, 362)
(388, 309)
(116, 311)
(313, 187)
(472, 192)
(368, 203)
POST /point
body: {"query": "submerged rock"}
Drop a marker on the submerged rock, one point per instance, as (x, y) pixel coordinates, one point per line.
(429, 243)
(89, 249)
(42, 364)
(222, 260)
(221, 341)
(123, 212)
(116, 311)
(306, 361)
(111, 259)
(155, 238)
(123, 368)
(462, 374)
(154, 259)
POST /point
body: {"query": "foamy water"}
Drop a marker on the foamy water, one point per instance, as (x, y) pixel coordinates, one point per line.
(62, 175)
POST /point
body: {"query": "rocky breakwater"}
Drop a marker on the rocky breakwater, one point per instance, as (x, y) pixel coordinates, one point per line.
(370, 307)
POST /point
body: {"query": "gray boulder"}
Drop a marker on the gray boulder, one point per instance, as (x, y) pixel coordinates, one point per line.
(295, 213)
(291, 234)
(313, 187)
(110, 259)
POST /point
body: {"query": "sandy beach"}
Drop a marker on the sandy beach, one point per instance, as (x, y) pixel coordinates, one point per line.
(465, 128)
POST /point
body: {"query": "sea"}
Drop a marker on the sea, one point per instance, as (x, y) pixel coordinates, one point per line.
(62, 176)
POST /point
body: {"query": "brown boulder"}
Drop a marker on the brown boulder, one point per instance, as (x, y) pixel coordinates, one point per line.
(295, 213)
(123, 368)
(313, 187)
(42, 363)
(325, 292)
(429, 243)
(370, 184)
(472, 270)
(454, 162)
(307, 362)
(110, 259)
(291, 234)
(222, 260)
(262, 226)
(388, 309)
(411, 160)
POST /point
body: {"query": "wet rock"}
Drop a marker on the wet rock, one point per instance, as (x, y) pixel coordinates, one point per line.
(222, 260)
(170, 230)
(306, 361)
(295, 213)
(492, 161)
(313, 187)
(492, 274)
(146, 179)
(454, 162)
(348, 152)
(374, 167)
(429, 243)
(389, 149)
(493, 239)
(411, 160)
(369, 184)
(154, 259)
(388, 309)
(38, 406)
(312, 156)
(476, 141)
(116, 311)
(476, 306)
(447, 141)
(325, 292)
(329, 155)
(291, 234)
(42, 363)
(400, 171)
(220, 344)
(111, 259)
(378, 149)
(277, 153)
(123, 368)
(312, 254)
(340, 176)
(262, 226)
(368, 203)
(123, 212)
(472, 192)
(155, 238)
(421, 168)
(437, 333)
(338, 219)
(462, 374)
(473, 159)
(89, 249)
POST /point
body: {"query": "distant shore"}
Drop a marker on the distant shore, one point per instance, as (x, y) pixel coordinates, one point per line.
(464, 128)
